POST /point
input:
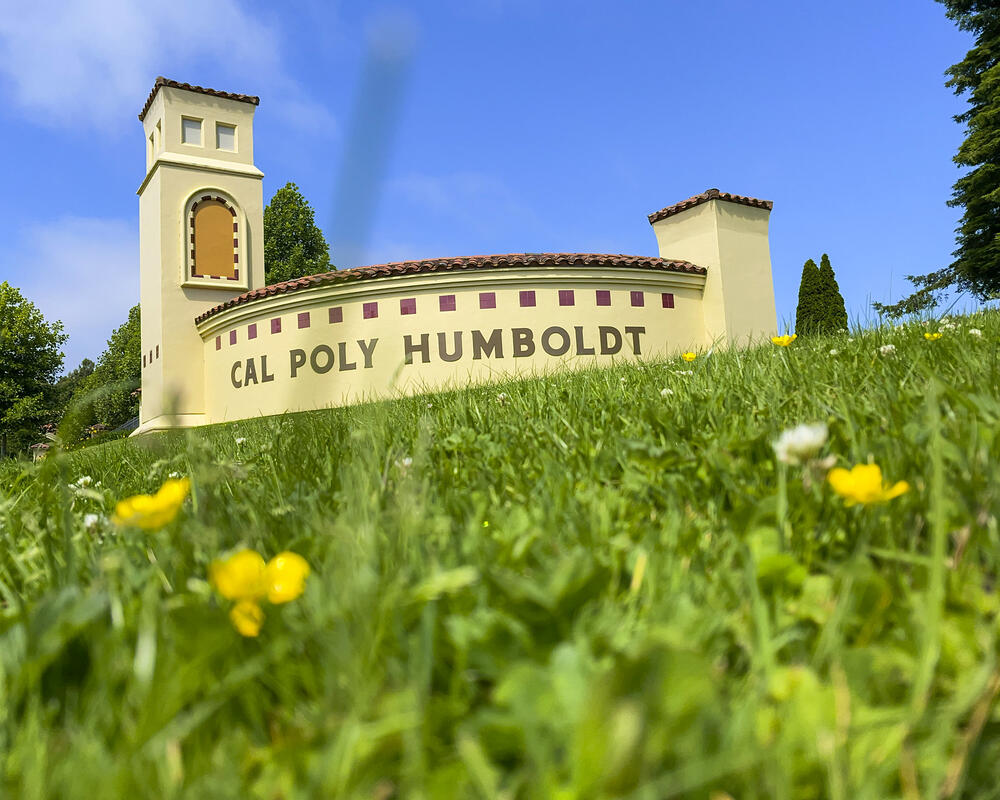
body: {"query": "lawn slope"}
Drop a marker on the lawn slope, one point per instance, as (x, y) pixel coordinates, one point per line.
(593, 585)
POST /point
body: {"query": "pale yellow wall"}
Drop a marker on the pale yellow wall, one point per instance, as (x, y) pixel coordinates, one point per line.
(731, 241)
(174, 384)
(666, 331)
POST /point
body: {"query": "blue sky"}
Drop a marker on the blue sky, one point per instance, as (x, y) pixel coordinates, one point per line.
(514, 125)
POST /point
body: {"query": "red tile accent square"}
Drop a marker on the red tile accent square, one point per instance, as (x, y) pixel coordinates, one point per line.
(566, 297)
(487, 299)
(218, 342)
(408, 305)
(143, 359)
(447, 302)
(527, 298)
(369, 310)
(236, 242)
(276, 325)
(638, 299)
(232, 337)
(252, 330)
(236, 227)
(668, 300)
(336, 314)
(157, 351)
(603, 297)
(303, 319)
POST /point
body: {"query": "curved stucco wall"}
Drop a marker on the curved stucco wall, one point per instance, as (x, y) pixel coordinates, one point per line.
(342, 343)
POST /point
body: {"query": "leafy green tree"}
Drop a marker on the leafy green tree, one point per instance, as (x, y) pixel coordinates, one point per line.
(809, 308)
(107, 394)
(976, 268)
(30, 357)
(69, 384)
(834, 311)
(293, 244)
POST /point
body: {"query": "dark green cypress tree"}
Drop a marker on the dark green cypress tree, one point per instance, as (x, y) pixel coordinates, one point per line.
(809, 309)
(834, 312)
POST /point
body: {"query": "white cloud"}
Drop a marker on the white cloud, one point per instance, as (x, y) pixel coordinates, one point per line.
(67, 61)
(85, 273)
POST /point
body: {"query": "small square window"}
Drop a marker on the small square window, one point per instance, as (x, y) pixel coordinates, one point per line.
(225, 137)
(191, 131)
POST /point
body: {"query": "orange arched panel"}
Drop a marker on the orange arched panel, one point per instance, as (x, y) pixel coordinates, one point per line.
(214, 241)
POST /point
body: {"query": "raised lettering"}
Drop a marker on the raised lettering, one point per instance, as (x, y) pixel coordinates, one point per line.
(367, 348)
(580, 349)
(324, 350)
(609, 348)
(547, 335)
(345, 365)
(490, 347)
(524, 342)
(298, 358)
(635, 333)
(409, 348)
(250, 373)
(265, 376)
(443, 350)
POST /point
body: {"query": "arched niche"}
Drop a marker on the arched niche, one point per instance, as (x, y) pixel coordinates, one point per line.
(214, 238)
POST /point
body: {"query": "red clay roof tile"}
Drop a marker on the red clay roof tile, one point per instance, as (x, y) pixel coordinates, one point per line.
(452, 264)
(704, 197)
(161, 81)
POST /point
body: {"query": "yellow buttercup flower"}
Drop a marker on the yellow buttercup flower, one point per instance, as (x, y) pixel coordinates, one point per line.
(239, 577)
(285, 577)
(689, 356)
(247, 617)
(863, 484)
(785, 340)
(932, 337)
(153, 511)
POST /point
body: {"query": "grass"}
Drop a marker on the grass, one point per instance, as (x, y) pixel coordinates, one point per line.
(577, 586)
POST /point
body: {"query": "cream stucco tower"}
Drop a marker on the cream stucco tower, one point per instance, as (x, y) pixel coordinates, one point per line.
(201, 237)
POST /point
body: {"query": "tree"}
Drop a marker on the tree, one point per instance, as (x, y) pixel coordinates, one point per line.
(69, 384)
(834, 312)
(976, 268)
(808, 310)
(293, 245)
(30, 357)
(106, 395)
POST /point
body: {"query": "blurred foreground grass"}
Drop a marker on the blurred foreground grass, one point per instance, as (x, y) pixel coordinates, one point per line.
(591, 585)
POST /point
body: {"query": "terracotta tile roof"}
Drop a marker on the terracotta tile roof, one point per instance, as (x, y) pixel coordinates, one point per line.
(161, 81)
(704, 197)
(454, 264)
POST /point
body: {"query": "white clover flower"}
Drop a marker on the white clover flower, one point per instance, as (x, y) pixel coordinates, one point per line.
(666, 392)
(683, 372)
(174, 475)
(834, 351)
(622, 380)
(948, 326)
(84, 480)
(502, 398)
(800, 442)
(90, 520)
(975, 332)
(945, 318)
(888, 349)
(850, 338)
(403, 464)
(240, 440)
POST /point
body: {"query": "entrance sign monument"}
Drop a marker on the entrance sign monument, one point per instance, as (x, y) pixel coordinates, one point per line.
(219, 345)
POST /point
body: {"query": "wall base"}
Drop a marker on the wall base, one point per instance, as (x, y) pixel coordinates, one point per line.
(168, 422)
